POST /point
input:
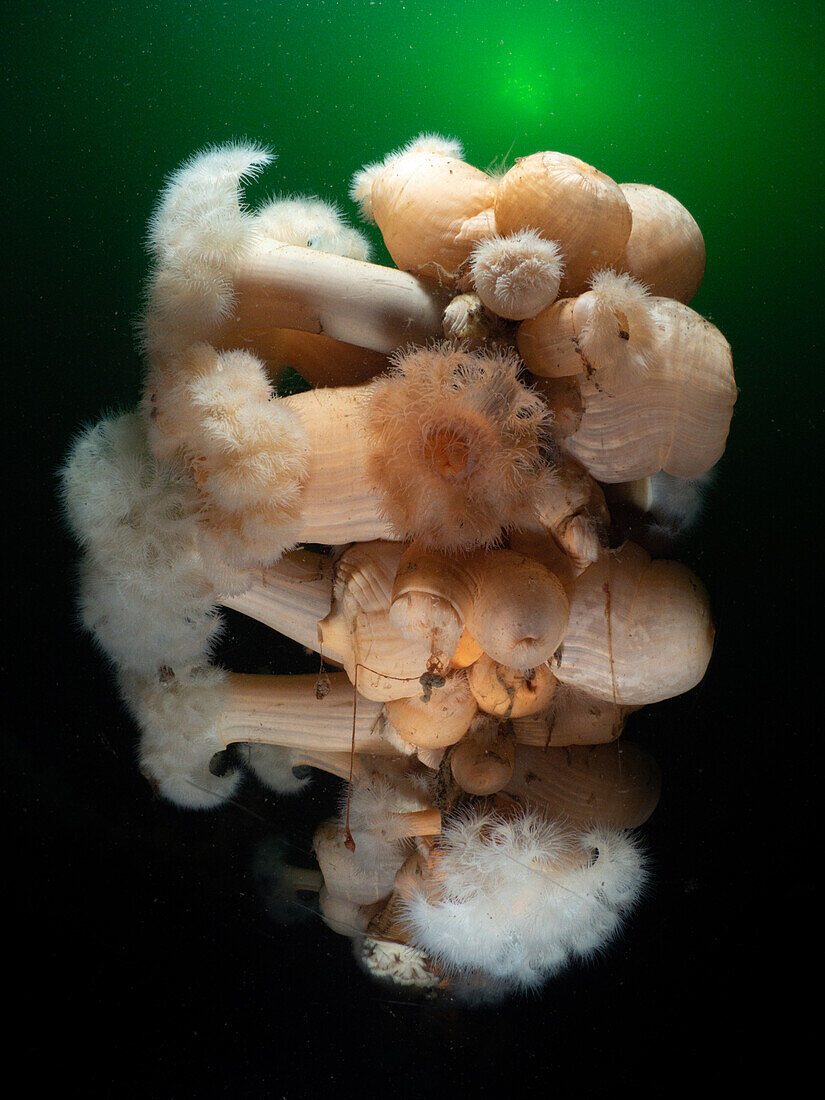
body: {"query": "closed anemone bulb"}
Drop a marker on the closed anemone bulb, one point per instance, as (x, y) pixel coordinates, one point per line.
(567, 201)
(361, 187)
(665, 248)
(456, 445)
(430, 206)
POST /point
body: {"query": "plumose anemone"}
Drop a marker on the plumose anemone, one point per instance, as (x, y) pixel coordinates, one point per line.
(441, 512)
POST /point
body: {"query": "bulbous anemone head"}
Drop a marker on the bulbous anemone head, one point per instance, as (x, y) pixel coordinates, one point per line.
(456, 445)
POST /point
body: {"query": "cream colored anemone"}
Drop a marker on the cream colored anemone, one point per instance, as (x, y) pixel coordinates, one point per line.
(654, 379)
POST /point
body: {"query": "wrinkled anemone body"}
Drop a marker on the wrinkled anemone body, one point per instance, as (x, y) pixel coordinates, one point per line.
(457, 444)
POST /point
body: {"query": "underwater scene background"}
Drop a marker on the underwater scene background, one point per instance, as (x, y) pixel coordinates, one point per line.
(152, 957)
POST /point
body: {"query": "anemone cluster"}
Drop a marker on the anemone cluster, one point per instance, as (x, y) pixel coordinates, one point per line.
(469, 512)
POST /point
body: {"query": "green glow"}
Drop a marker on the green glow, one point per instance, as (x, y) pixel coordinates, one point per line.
(715, 101)
(525, 86)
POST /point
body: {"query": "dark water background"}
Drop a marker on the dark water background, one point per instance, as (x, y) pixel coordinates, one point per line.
(141, 957)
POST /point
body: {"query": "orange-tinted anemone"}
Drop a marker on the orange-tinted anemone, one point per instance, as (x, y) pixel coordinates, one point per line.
(457, 444)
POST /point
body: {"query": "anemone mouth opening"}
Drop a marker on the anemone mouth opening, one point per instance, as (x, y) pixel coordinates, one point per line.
(448, 452)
